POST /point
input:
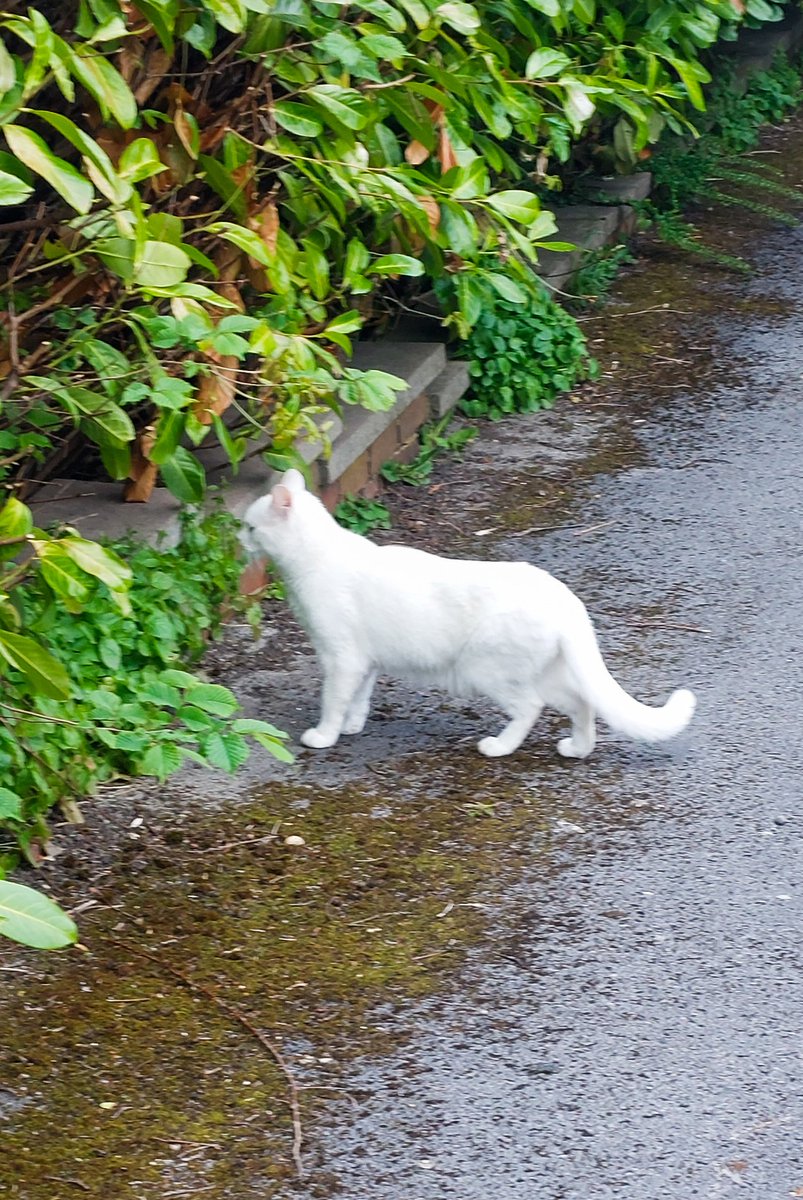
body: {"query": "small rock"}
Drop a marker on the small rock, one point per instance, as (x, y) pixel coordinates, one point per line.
(294, 840)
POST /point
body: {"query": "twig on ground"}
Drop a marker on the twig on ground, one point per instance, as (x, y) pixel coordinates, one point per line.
(241, 1019)
(683, 312)
(267, 837)
(649, 624)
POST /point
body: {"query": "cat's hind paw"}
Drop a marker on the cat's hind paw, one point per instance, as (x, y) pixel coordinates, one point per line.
(492, 747)
(568, 749)
(317, 740)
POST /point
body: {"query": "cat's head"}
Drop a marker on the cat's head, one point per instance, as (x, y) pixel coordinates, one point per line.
(268, 524)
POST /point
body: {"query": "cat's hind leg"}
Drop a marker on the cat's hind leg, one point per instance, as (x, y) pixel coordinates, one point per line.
(357, 713)
(341, 683)
(522, 720)
(584, 733)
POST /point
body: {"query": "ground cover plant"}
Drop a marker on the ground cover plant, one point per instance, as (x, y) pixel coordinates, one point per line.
(522, 357)
(109, 694)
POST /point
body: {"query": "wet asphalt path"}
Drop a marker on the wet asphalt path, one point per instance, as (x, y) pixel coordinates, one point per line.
(607, 954)
(635, 1030)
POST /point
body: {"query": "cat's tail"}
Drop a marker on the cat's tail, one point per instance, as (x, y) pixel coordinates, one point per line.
(613, 704)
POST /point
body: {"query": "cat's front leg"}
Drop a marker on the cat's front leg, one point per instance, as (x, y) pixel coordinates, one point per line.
(357, 713)
(341, 684)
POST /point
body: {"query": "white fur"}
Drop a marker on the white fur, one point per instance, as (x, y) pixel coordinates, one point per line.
(506, 631)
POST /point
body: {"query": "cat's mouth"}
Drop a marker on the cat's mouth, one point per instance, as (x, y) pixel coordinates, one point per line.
(249, 543)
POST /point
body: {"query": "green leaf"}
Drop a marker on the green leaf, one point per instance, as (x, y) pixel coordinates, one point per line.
(176, 678)
(15, 519)
(245, 239)
(117, 254)
(226, 751)
(8, 70)
(161, 759)
(692, 75)
(277, 749)
(28, 917)
(106, 84)
(550, 8)
(387, 13)
(384, 46)
(297, 118)
(13, 190)
(347, 106)
(43, 673)
(546, 62)
(462, 17)
(63, 575)
(140, 160)
(213, 698)
(10, 805)
(316, 269)
(62, 177)
(396, 264)
(346, 322)
(761, 10)
(507, 288)
(469, 182)
(160, 265)
(184, 475)
(251, 725)
(161, 14)
(110, 654)
(458, 229)
(100, 166)
(516, 205)
(267, 735)
(169, 432)
(103, 419)
(104, 565)
(158, 692)
(231, 14)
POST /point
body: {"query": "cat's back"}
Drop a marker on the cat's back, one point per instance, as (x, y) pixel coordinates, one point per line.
(417, 571)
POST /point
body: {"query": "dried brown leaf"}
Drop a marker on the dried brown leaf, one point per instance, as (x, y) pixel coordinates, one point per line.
(216, 390)
(154, 69)
(446, 155)
(143, 473)
(416, 153)
(432, 209)
(265, 223)
(184, 130)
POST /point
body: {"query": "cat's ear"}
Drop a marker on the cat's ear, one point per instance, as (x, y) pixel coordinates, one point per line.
(282, 499)
(293, 480)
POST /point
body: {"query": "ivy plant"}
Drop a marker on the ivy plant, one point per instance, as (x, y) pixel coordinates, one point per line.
(522, 354)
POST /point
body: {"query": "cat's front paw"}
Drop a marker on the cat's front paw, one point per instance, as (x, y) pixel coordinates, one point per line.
(354, 725)
(492, 747)
(317, 740)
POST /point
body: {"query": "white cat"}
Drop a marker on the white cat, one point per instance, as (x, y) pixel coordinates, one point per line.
(506, 631)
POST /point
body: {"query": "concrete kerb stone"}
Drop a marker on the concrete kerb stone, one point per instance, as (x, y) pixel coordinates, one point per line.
(97, 510)
(589, 227)
(449, 387)
(418, 363)
(624, 188)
